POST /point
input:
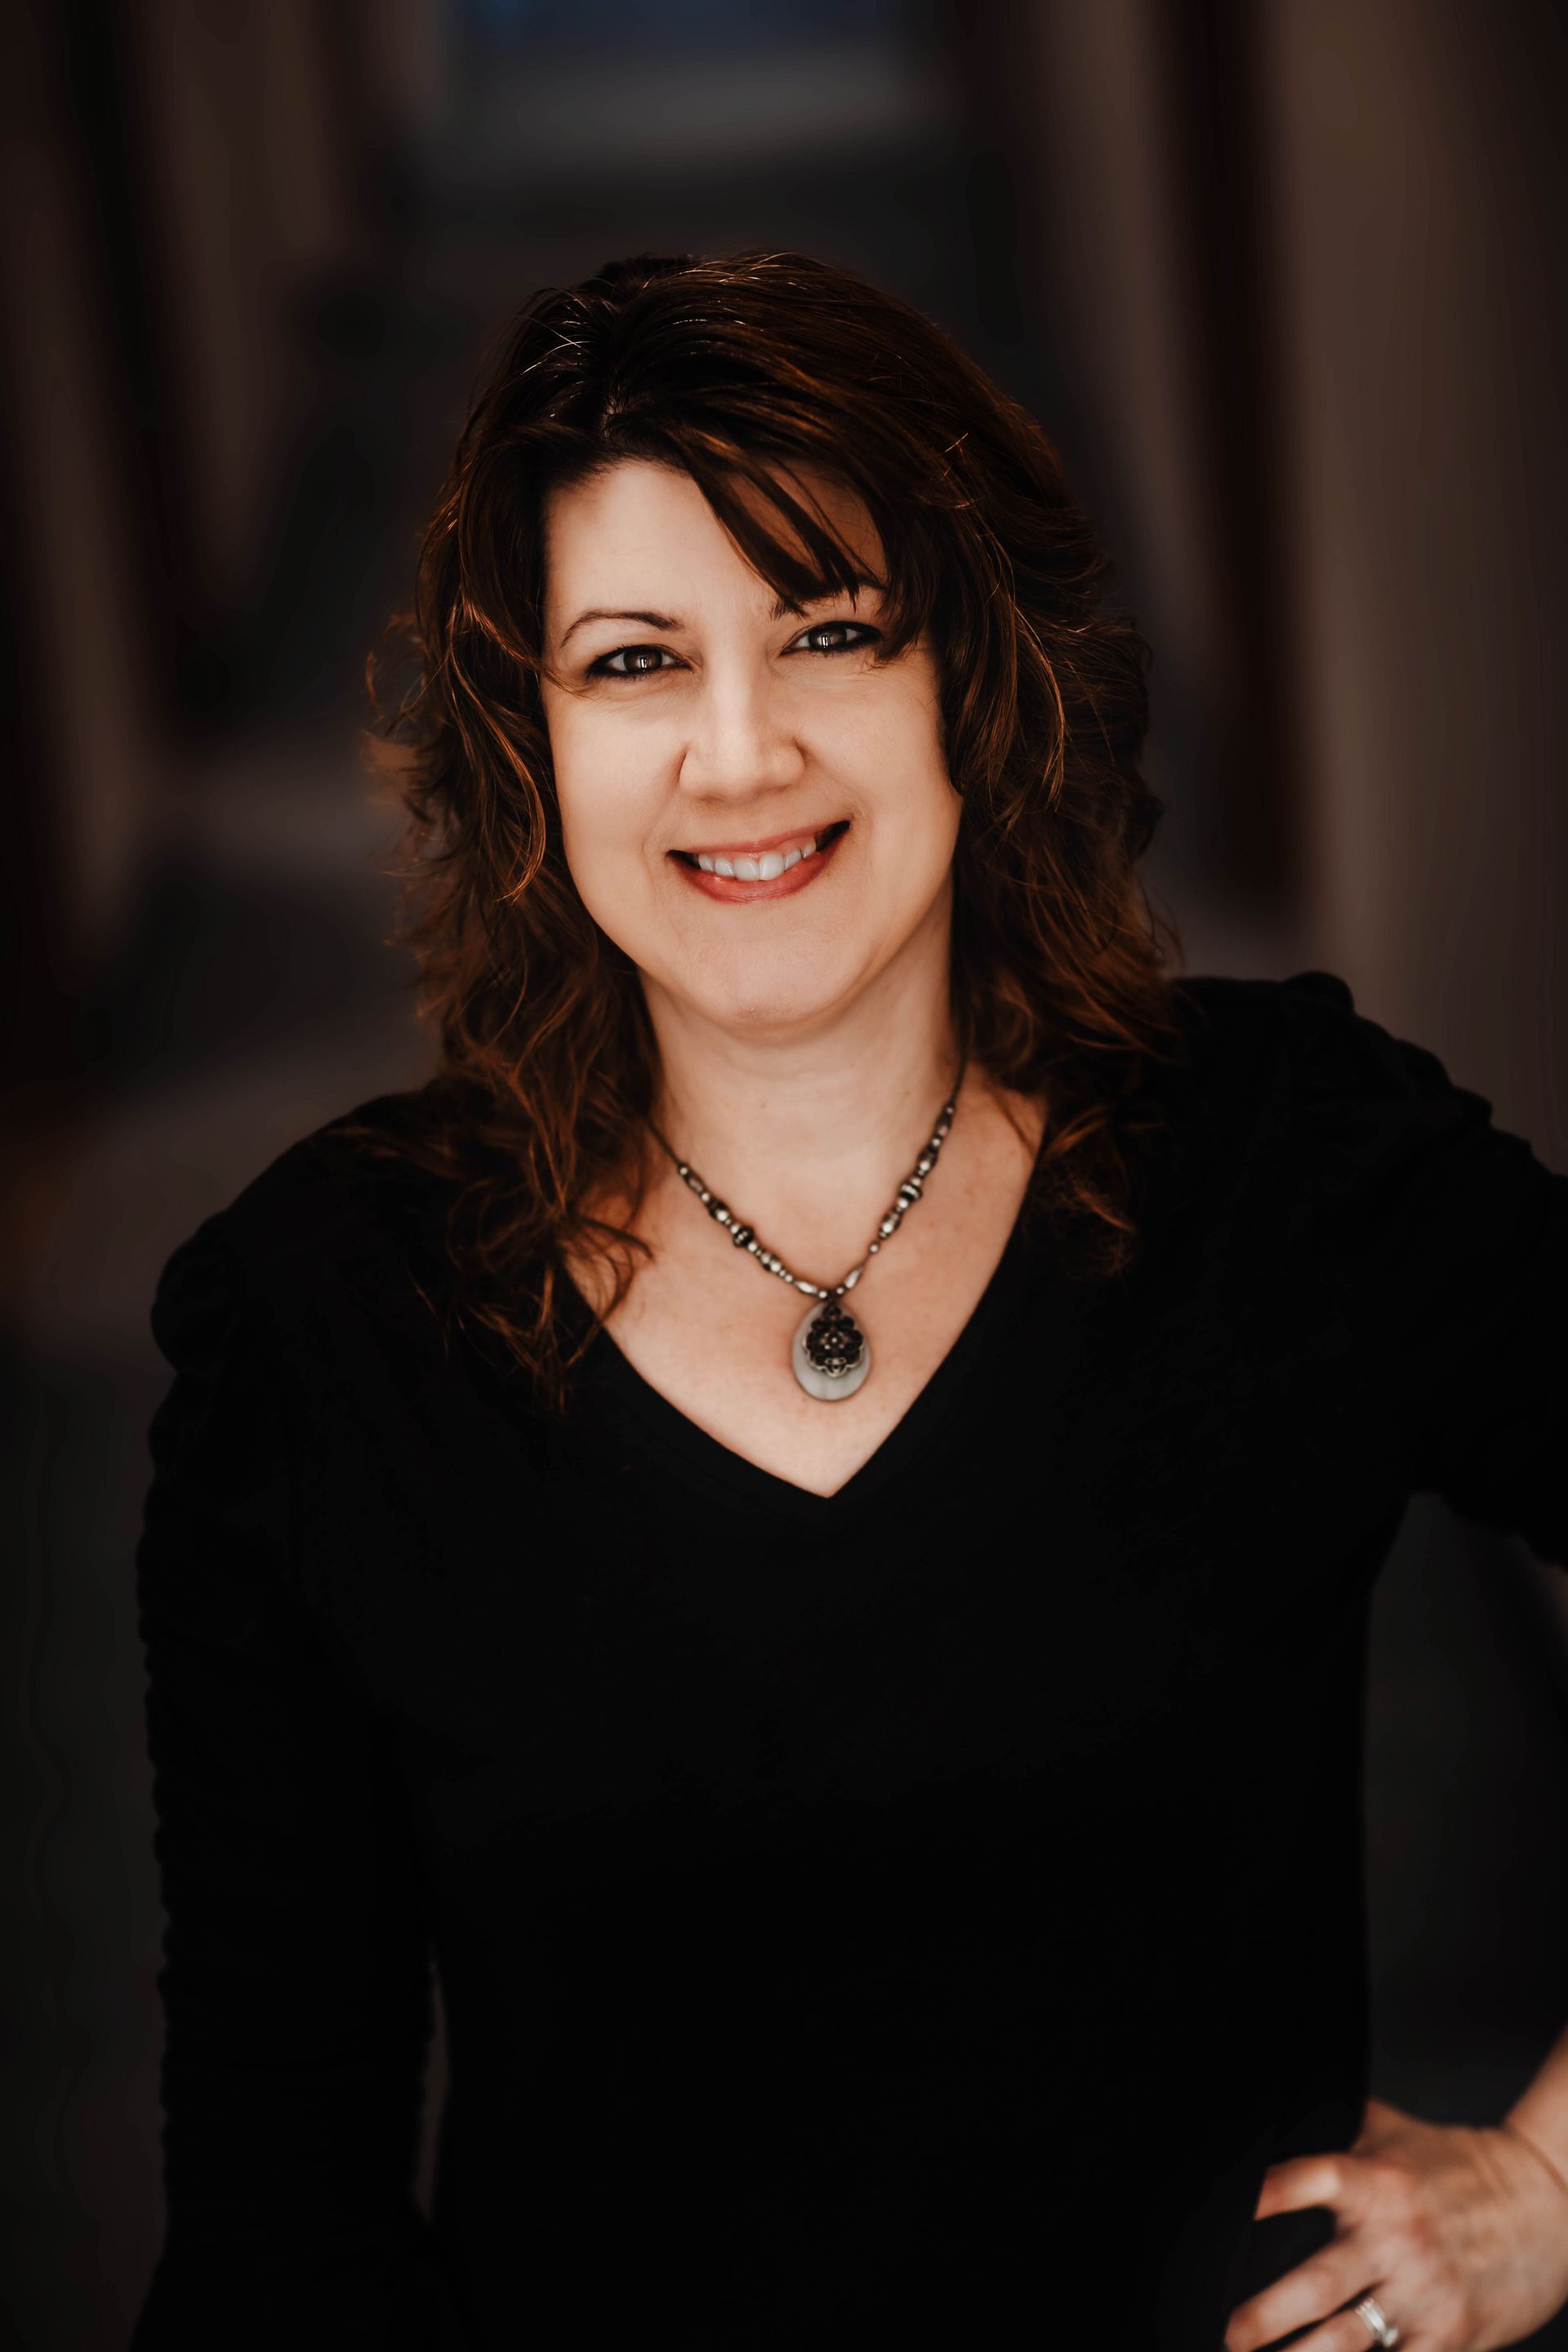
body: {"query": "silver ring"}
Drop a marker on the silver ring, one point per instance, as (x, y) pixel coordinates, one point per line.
(1383, 2330)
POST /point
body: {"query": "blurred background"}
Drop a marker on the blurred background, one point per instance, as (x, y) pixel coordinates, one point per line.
(1285, 280)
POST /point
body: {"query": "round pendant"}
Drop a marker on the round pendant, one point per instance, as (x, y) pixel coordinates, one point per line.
(830, 1354)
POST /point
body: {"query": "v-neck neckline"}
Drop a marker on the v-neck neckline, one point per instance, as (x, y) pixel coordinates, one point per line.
(710, 1462)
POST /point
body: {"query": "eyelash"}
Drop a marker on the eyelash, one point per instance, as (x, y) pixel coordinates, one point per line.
(824, 653)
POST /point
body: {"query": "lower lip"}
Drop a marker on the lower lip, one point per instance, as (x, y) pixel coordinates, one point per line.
(734, 893)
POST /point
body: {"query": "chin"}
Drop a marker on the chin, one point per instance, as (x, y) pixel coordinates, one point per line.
(794, 994)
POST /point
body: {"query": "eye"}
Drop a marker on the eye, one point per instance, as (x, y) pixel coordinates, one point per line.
(644, 662)
(862, 633)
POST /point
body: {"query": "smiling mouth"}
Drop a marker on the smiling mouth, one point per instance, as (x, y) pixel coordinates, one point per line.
(761, 866)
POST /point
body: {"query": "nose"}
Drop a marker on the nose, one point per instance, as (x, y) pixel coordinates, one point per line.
(739, 743)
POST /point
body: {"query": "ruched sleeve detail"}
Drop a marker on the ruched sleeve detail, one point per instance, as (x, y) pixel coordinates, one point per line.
(296, 1975)
(1453, 1238)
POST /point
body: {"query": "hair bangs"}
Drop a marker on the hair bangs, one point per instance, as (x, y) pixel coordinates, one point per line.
(806, 559)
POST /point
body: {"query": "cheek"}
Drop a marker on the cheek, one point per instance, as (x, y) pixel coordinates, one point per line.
(910, 791)
(895, 743)
(606, 796)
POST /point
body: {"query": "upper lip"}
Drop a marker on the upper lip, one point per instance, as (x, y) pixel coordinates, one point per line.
(755, 848)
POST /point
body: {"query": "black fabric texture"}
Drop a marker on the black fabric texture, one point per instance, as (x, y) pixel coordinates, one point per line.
(914, 1915)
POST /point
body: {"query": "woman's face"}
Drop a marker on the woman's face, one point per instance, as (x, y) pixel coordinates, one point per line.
(688, 717)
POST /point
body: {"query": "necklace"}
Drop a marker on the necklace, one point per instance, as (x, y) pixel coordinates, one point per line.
(830, 1354)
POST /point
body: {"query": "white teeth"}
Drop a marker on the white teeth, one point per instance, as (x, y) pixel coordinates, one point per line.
(766, 866)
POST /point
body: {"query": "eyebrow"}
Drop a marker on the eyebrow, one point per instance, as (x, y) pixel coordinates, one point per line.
(670, 620)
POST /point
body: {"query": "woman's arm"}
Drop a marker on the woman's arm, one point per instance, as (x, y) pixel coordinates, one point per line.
(1454, 1255)
(1540, 2112)
(296, 1979)
(1451, 1238)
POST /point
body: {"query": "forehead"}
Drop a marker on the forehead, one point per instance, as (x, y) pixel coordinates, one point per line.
(653, 518)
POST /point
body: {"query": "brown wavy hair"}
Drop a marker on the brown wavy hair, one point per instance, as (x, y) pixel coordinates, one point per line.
(728, 367)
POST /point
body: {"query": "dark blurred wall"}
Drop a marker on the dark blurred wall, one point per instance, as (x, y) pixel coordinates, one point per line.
(1424, 196)
(1305, 267)
(186, 180)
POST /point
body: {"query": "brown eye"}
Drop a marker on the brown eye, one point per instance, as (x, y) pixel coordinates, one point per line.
(642, 661)
(861, 632)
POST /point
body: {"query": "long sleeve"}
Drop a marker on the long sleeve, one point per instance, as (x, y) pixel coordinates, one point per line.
(1453, 1236)
(296, 1976)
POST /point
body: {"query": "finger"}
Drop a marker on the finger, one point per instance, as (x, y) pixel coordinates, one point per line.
(1313, 2289)
(1299, 2180)
(1344, 2333)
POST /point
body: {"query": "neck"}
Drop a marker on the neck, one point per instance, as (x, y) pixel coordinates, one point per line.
(808, 1134)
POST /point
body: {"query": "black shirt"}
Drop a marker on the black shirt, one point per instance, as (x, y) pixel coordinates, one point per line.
(910, 1915)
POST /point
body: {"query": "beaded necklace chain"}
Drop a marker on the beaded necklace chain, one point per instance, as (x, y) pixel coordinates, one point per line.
(830, 1354)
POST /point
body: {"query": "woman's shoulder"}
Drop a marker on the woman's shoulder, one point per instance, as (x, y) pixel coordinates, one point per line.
(1303, 1044)
(1234, 1020)
(1376, 1118)
(346, 1211)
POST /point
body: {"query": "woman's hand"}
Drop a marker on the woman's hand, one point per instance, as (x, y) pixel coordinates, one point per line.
(1460, 2233)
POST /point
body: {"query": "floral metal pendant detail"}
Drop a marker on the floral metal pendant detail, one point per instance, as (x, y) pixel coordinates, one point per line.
(831, 1354)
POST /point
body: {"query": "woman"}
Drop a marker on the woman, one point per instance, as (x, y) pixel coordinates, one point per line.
(858, 1690)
